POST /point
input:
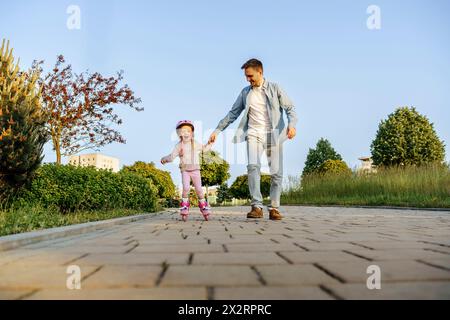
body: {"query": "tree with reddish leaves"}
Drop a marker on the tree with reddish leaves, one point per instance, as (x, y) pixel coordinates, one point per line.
(81, 108)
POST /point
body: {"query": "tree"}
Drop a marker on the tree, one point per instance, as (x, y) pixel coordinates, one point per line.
(316, 157)
(160, 178)
(22, 133)
(214, 169)
(334, 167)
(239, 189)
(223, 193)
(81, 110)
(406, 138)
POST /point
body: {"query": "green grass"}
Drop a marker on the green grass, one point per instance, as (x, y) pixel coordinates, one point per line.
(35, 217)
(424, 186)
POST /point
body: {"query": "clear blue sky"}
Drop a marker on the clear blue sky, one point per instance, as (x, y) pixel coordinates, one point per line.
(183, 59)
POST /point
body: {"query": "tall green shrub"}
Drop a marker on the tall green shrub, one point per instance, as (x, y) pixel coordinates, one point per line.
(334, 167)
(223, 193)
(160, 178)
(316, 157)
(406, 138)
(22, 125)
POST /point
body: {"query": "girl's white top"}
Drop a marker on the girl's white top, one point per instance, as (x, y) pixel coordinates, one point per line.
(189, 158)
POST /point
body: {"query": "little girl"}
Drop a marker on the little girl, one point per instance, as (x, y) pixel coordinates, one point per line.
(188, 150)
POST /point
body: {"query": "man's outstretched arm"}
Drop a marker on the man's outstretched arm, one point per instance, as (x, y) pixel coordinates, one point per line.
(232, 115)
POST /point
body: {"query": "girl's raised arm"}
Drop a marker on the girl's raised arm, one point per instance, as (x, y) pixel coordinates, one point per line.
(169, 158)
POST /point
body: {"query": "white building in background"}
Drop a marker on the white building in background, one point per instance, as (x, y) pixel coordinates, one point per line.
(366, 165)
(97, 160)
(212, 194)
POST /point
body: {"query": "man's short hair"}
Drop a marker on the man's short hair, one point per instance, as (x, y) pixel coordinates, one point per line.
(253, 63)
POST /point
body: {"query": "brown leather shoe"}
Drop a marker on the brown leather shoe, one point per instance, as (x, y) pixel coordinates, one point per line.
(256, 213)
(274, 214)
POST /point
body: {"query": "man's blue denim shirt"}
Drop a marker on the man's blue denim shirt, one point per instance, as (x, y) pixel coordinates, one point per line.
(277, 102)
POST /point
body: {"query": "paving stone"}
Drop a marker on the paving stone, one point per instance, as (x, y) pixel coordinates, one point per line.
(380, 245)
(394, 291)
(244, 258)
(47, 258)
(177, 240)
(294, 275)
(123, 277)
(441, 262)
(399, 254)
(123, 294)
(266, 247)
(193, 275)
(179, 248)
(271, 293)
(14, 294)
(319, 256)
(394, 270)
(95, 249)
(328, 246)
(35, 277)
(134, 259)
(15, 255)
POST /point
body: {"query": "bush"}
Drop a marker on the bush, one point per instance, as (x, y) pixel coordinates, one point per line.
(406, 138)
(334, 167)
(160, 178)
(223, 194)
(316, 157)
(171, 203)
(73, 188)
(239, 189)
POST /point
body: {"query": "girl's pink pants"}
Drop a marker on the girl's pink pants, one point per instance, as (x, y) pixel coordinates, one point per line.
(186, 177)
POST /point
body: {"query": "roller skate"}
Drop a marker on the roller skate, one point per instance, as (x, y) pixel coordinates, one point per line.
(204, 209)
(184, 210)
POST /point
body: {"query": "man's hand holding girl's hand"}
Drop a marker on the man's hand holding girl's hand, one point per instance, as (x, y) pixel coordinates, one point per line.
(291, 132)
(212, 138)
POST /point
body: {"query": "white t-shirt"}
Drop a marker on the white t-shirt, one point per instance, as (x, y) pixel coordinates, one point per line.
(258, 116)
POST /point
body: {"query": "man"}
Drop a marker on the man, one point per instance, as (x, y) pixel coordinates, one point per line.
(263, 127)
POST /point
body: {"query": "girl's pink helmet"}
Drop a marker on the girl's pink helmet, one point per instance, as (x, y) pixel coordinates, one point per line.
(185, 123)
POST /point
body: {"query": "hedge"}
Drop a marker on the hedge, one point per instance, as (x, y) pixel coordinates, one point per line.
(85, 188)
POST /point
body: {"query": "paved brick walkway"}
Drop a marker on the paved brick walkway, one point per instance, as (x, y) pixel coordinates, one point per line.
(314, 253)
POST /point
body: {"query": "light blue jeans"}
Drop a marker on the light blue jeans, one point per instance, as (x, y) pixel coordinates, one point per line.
(256, 144)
